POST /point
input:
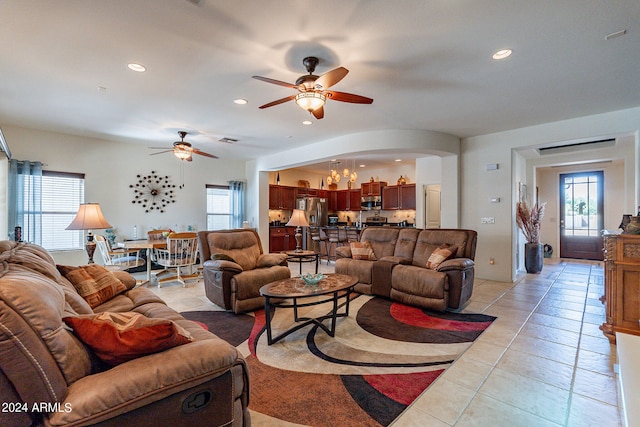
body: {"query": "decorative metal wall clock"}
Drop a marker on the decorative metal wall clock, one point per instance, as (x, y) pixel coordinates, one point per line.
(153, 192)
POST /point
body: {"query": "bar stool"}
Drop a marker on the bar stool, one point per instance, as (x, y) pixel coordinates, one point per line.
(353, 235)
(317, 239)
(333, 239)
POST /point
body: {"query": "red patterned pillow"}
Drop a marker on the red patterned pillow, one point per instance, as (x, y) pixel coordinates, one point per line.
(441, 254)
(93, 282)
(362, 250)
(118, 337)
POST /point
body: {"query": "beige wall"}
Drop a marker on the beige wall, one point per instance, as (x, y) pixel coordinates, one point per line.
(110, 167)
(500, 240)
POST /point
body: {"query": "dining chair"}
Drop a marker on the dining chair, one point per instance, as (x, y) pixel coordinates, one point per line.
(117, 259)
(181, 251)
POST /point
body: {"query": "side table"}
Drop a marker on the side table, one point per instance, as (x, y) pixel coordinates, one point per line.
(303, 256)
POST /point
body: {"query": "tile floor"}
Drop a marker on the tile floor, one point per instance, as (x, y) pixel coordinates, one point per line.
(543, 362)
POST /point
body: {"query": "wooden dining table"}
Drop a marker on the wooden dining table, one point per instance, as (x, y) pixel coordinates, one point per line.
(147, 244)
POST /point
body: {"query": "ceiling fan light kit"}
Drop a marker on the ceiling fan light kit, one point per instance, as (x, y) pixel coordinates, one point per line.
(183, 150)
(310, 101)
(313, 90)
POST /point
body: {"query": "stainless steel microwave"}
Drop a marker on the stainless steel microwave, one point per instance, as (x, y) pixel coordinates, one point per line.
(369, 203)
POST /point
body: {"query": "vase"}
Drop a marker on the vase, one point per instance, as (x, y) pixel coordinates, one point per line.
(634, 226)
(533, 257)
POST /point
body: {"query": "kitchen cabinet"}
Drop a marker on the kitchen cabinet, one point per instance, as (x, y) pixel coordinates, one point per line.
(307, 192)
(332, 200)
(399, 197)
(342, 198)
(390, 197)
(282, 197)
(354, 199)
(621, 284)
(347, 200)
(372, 188)
(282, 239)
(407, 196)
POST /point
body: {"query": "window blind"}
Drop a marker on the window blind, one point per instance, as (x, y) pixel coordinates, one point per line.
(62, 194)
(218, 207)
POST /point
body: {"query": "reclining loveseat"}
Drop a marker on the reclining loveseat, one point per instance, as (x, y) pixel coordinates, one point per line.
(430, 268)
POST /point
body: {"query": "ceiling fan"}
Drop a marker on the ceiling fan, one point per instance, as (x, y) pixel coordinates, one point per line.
(182, 149)
(313, 90)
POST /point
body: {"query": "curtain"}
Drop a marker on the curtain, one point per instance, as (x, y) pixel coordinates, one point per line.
(25, 199)
(237, 203)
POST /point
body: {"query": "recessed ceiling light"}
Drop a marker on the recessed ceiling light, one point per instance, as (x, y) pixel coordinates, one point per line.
(240, 101)
(137, 67)
(398, 160)
(362, 165)
(502, 54)
(307, 122)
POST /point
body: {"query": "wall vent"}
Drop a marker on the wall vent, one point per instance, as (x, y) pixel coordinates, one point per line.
(578, 146)
(228, 140)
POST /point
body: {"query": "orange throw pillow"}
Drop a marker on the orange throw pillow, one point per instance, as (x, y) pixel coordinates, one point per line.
(93, 282)
(440, 255)
(362, 250)
(119, 337)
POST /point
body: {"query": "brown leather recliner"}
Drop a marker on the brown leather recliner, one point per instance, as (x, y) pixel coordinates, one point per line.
(235, 268)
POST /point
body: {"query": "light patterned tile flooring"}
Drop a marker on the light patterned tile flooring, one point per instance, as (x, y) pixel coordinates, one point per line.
(543, 362)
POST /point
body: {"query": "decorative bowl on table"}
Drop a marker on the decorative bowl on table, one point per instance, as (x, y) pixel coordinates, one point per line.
(312, 279)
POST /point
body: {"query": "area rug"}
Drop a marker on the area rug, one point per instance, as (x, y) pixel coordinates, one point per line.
(383, 356)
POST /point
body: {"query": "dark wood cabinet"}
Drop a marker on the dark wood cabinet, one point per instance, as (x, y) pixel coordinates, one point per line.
(282, 197)
(621, 284)
(354, 199)
(407, 196)
(399, 197)
(332, 203)
(372, 188)
(390, 197)
(282, 239)
(342, 199)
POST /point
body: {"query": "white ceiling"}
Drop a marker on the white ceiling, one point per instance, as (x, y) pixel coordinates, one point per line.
(427, 65)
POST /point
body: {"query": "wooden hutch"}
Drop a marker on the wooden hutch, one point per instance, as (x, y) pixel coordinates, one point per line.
(621, 284)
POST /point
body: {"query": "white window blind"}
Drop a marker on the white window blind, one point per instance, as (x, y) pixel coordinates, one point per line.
(62, 194)
(218, 207)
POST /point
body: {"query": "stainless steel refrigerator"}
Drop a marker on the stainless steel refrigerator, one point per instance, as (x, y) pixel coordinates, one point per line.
(316, 211)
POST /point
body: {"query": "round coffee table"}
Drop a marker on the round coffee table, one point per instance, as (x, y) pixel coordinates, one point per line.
(287, 293)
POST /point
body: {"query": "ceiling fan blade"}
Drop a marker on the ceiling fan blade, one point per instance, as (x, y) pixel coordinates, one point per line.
(202, 153)
(318, 113)
(275, 82)
(347, 97)
(279, 101)
(161, 152)
(189, 159)
(330, 78)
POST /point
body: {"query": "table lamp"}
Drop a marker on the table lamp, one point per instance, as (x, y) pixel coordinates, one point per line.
(89, 217)
(298, 220)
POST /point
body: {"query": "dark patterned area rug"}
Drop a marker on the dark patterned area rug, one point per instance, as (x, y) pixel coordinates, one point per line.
(383, 356)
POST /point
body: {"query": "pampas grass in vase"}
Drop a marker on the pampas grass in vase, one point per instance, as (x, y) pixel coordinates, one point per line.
(528, 220)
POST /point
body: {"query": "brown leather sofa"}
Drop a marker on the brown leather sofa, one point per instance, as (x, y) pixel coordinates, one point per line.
(235, 268)
(49, 377)
(400, 272)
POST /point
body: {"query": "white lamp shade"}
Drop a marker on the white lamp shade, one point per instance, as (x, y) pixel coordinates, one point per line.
(297, 219)
(310, 101)
(89, 217)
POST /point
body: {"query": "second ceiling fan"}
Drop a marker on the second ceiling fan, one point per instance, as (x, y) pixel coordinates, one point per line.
(313, 90)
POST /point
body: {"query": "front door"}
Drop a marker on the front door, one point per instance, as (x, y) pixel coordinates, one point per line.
(581, 215)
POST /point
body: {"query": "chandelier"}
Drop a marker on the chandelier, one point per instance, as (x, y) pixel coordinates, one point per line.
(335, 176)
